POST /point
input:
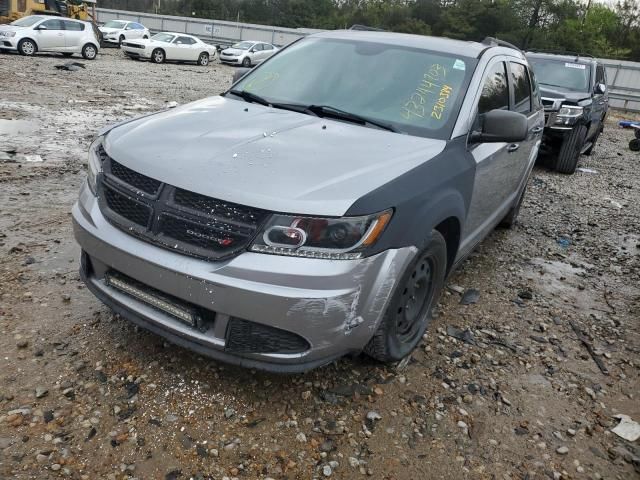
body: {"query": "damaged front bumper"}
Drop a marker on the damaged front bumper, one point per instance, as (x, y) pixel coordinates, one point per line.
(270, 312)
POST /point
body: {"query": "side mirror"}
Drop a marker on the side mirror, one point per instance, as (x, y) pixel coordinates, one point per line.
(502, 126)
(41, 27)
(601, 88)
(239, 73)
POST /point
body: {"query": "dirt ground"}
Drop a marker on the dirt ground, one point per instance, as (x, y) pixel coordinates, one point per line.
(84, 394)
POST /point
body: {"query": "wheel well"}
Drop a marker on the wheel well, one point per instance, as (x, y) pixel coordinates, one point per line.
(30, 39)
(450, 230)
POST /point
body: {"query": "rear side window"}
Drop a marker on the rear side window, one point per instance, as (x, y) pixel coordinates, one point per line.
(266, 46)
(536, 101)
(185, 41)
(521, 88)
(495, 92)
(73, 26)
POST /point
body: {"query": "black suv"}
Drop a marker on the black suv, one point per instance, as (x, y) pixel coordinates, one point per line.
(575, 99)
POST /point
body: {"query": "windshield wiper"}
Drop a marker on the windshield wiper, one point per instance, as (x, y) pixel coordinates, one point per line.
(250, 97)
(333, 112)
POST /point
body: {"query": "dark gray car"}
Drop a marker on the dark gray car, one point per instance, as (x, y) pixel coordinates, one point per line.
(316, 208)
(576, 102)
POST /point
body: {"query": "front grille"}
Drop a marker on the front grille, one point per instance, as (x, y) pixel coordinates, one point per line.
(172, 217)
(249, 337)
(132, 45)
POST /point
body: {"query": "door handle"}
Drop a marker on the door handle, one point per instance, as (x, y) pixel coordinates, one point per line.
(536, 130)
(513, 147)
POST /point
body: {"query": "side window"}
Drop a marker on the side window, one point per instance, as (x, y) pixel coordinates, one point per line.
(73, 26)
(521, 88)
(495, 92)
(266, 46)
(536, 101)
(183, 41)
(53, 24)
(257, 47)
(137, 26)
(600, 76)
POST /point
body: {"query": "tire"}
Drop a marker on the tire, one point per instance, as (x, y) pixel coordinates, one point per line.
(634, 145)
(570, 150)
(120, 40)
(157, 56)
(203, 59)
(27, 47)
(637, 132)
(67, 54)
(409, 312)
(589, 151)
(246, 62)
(89, 51)
(145, 37)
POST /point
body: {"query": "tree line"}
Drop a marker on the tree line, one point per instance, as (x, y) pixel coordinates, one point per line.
(602, 29)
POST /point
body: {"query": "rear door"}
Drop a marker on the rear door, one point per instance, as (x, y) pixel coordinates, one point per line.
(50, 35)
(524, 100)
(494, 161)
(73, 35)
(599, 102)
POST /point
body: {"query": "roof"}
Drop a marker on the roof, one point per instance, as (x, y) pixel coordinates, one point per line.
(562, 56)
(439, 44)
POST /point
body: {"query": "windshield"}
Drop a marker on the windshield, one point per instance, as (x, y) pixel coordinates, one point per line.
(413, 90)
(115, 24)
(163, 37)
(26, 21)
(243, 45)
(560, 73)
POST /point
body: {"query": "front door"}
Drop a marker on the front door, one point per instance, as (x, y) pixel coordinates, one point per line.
(50, 35)
(495, 162)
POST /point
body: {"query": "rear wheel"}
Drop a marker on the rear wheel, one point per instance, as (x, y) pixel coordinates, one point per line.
(27, 47)
(203, 59)
(634, 145)
(409, 311)
(570, 150)
(246, 62)
(89, 52)
(157, 56)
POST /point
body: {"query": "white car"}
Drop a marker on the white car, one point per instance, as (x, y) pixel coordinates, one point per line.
(40, 33)
(171, 46)
(117, 31)
(247, 53)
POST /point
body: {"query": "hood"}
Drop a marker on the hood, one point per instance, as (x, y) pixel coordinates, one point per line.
(110, 30)
(266, 158)
(556, 93)
(234, 51)
(11, 28)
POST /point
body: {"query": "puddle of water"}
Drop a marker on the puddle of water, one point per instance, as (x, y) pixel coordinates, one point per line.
(16, 127)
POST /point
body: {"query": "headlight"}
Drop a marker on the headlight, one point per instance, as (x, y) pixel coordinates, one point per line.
(8, 34)
(94, 163)
(572, 112)
(327, 238)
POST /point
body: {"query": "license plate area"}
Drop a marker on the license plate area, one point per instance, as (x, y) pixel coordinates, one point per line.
(176, 308)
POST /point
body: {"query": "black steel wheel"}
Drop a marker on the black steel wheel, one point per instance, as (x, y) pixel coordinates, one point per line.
(409, 312)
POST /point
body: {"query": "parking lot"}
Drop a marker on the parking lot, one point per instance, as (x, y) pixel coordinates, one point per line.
(501, 388)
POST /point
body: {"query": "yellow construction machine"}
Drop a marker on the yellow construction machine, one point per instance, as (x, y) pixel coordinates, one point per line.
(11, 10)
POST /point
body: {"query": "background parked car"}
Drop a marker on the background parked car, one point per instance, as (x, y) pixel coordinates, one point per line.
(247, 53)
(39, 33)
(576, 102)
(116, 31)
(170, 46)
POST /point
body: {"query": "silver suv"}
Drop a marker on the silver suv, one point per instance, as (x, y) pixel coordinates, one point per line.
(316, 207)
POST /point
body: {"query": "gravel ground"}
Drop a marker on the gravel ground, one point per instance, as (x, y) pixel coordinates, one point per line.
(502, 388)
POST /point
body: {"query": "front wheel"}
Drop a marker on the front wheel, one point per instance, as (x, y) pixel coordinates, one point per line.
(89, 52)
(246, 62)
(27, 47)
(570, 150)
(157, 56)
(203, 59)
(409, 311)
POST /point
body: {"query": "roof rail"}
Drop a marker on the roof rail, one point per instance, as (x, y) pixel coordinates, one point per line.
(561, 52)
(365, 28)
(496, 42)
